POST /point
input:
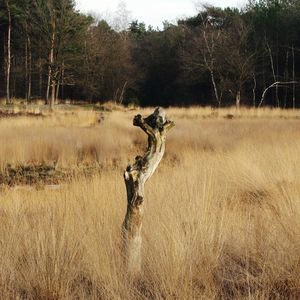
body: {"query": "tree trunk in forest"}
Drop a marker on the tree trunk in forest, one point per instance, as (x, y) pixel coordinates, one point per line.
(8, 63)
(273, 72)
(52, 101)
(26, 67)
(294, 83)
(212, 76)
(13, 77)
(62, 80)
(29, 69)
(48, 81)
(121, 98)
(210, 64)
(40, 67)
(286, 77)
(57, 90)
(254, 91)
(51, 75)
(238, 100)
(156, 127)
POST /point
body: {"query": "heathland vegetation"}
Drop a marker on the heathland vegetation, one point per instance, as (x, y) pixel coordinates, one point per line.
(221, 212)
(219, 57)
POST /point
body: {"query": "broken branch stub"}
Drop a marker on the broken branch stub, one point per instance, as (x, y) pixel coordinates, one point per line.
(156, 127)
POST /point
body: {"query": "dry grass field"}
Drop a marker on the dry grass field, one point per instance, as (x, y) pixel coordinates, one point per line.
(222, 212)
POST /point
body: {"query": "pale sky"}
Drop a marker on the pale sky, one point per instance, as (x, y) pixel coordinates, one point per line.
(151, 12)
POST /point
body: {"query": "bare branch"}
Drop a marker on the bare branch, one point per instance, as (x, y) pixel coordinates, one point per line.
(274, 84)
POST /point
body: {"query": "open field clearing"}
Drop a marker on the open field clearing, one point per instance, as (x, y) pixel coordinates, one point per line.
(222, 212)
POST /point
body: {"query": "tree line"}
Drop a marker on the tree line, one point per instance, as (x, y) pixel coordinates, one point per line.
(218, 57)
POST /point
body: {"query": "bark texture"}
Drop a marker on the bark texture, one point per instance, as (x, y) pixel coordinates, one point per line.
(156, 127)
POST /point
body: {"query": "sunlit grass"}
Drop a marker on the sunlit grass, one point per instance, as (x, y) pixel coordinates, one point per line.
(222, 212)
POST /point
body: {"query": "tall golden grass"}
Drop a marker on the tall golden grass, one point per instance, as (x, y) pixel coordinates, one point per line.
(222, 215)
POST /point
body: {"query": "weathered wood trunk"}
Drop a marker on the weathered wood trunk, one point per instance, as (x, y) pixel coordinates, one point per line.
(156, 127)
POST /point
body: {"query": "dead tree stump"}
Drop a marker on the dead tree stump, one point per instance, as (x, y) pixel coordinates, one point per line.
(156, 127)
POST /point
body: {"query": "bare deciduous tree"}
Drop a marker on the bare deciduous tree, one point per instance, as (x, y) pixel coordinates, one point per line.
(200, 55)
(236, 60)
(122, 17)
